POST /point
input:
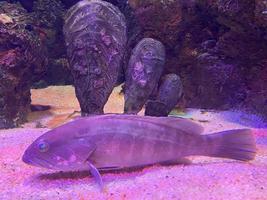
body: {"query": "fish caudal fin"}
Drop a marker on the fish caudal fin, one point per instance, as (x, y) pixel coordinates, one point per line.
(234, 144)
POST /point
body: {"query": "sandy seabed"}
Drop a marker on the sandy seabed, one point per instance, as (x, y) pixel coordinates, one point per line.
(206, 178)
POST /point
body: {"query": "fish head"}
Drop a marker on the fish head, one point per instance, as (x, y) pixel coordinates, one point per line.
(58, 151)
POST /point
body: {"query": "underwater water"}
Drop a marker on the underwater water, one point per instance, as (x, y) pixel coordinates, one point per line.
(133, 99)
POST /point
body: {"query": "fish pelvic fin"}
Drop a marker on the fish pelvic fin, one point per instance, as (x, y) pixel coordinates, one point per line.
(95, 173)
(234, 144)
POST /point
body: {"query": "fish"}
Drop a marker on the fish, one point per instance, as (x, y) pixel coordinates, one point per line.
(143, 73)
(118, 141)
(169, 94)
(95, 37)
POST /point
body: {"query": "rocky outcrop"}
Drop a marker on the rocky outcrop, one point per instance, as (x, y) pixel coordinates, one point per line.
(95, 34)
(22, 61)
(143, 73)
(217, 47)
(50, 17)
(169, 94)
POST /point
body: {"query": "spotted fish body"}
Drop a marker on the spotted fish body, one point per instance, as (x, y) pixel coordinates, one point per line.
(143, 73)
(169, 93)
(124, 141)
(95, 36)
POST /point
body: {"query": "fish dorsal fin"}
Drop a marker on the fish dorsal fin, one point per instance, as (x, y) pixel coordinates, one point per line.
(182, 124)
(185, 125)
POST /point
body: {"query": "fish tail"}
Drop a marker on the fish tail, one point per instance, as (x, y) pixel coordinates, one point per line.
(234, 144)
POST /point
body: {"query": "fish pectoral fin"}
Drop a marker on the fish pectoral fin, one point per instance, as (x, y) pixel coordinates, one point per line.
(83, 149)
(94, 171)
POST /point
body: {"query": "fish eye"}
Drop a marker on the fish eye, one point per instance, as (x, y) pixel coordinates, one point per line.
(43, 146)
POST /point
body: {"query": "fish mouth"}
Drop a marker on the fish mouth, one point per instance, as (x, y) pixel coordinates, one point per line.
(26, 159)
(37, 162)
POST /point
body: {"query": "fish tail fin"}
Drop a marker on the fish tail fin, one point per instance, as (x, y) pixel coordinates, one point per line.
(234, 144)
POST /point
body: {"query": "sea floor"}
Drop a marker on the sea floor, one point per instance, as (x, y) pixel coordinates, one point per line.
(206, 178)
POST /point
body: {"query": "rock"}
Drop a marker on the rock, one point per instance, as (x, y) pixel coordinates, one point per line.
(261, 13)
(225, 73)
(5, 19)
(95, 50)
(256, 101)
(143, 73)
(169, 93)
(161, 20)
(134, 34)
(69, 3)
(206, 41)
(219, 83)
(27, 4)
(50, 14)
(23, 59)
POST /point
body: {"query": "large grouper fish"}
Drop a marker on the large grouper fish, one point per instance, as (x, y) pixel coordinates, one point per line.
(117, 141)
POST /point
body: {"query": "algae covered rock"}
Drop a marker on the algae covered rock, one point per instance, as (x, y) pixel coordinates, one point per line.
(95, 35)
(169, 93)
(50, 17)
(23, 59)
(143, 73)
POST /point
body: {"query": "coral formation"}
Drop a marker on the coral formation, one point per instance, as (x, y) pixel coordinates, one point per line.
(95, 34)
(143, 73)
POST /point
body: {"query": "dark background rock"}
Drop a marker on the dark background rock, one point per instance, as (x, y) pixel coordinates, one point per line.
(217, 47)
(50, 15)
(49, 19)
(22, 60)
